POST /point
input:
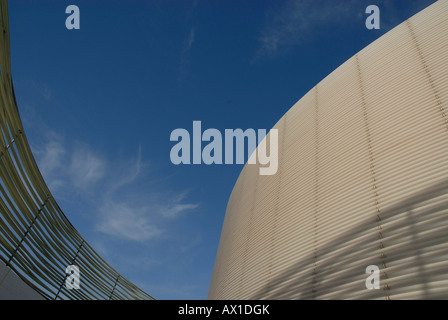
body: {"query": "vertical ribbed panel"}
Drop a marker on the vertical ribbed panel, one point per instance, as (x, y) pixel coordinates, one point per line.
(362, 180)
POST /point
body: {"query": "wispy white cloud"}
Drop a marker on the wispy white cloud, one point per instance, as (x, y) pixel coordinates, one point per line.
(78, 167)
(172, 211)
(126, 222)
(51, 159)
(123, 205)
(129, 171)
(86, 167)
(185, 53)
(296, 21)
(176, 206)
(188, 42)
(44, 90)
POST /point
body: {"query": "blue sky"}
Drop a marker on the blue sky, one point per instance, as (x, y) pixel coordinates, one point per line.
(99, 103)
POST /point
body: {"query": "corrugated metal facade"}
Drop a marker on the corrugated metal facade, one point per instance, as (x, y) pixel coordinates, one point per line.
(362, 180)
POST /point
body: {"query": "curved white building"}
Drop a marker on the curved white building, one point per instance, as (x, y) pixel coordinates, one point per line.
(362, 180)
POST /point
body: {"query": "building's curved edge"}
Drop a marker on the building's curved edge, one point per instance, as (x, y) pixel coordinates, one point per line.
(246, 168)
(19, 279)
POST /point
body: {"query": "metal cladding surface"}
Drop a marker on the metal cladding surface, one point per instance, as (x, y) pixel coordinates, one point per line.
(37, 241)
(362, 180)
